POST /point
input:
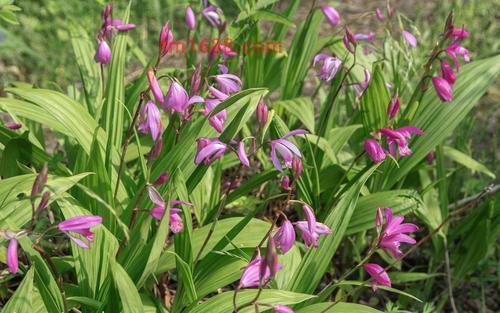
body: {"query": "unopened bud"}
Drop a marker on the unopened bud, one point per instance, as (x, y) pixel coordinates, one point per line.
(262, 112)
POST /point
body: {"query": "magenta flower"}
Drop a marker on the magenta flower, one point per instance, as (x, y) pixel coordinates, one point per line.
(379, 219)
(296, 166)
(379, 276)
(12, 259)
(359, 88)
(117, 23)
(409, 38)
(400, 137)
(286, 149)
(349, 40)
(331, 15)
(209, 150)
(443, 88)
(330, 67)
(393, 108)
(242, 155)
(190, 18)
(270, 261)
(177, 98)
(228, 83)
(213, 15)
(262, 113)
(311, 229)
(195, 79)
(227, 52)
(280, 308)
(285, 236)
(175, 220)
(13, 126)
(374, 150)
(150, 120)
(369, 36)
(430, 157)
(454, 50)
(103, 53)
(154, 86)
(161, 179)
(393, 233)
(166, 38)
(379, 14)
(447, 72)
(82, 226)
(216, 121)
(251, 276)
(458, 33)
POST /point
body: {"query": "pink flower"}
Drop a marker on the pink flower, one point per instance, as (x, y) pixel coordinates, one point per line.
(175, 220)
(13, 126)
(280, 308)
(454, 50)
(379, 276)
(286, 149)
(216, 121)
(379, 14)
(80, 225)
(458, 33)
(393, 233)
(161, 179)
(166, 39)
(213, 15)
(285, 236)
(262, 113)
(409, 38)
(177, 98)
(228, 83)
(310, 229)
(251, 276)
(447, 72)
(394, 104)
(330, 66)
(227, 52)
(154, 86)
(190, 18)
(270, 262)
(242, 155)
(12, 259)
(285, 182)
(359, 88)
(349, 40)
(374, 150)
(209, 150)
(430, 157)
(150, 120)
(296, 166)
(443, 88)
(331, 15)
(103, 53)
(369, 36)
(117, 23)
(195, 80)
(400, 137)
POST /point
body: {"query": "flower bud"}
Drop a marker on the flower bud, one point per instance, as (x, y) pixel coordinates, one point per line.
(394, 105)
(379, 14)
(195, 80)
(443, 88)
(280, 308)
(13, 126)
(374, 150)
(43, 203)
(166, 39)
(154, 85)
(430, 157)
(155, 150)
(103, 53)
(331, 15)
(262, 113)
(447, 72)
(296, 166)
(379, 219)
(190, 18)
(349, 40)
(242, 155)
(161, 179)
(285, 183)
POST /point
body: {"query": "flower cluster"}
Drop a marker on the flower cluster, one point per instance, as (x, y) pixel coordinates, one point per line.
(109, 27)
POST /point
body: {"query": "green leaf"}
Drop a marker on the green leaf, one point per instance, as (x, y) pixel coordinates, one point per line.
(114, 97)
(223, 302)
(302, 108)
(340, 307)
(272, 16)
(438, 119)
(374, 102)
(9, 17)
(467, 161)
(21, 300)
(389, 289)
(316, 261)
(130, 298)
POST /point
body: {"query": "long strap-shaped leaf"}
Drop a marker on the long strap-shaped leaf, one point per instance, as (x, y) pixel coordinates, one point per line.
(316, 261)
(21, 300)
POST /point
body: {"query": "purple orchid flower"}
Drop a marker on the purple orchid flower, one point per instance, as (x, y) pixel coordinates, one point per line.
(228, 83)
(330, 67)
(368, 37)
(331, 15)
(448, 73)
(409, 38)
(213, 15)
(251, 276)
(379, 276)
(394, 233)
(443, 88)
(209, 150)
(311, 229)
(190, 18)
(103, 53)
(13, 126)
(155, 86)
(175, 220)
(286, 149)
(400, 137)
(374, 150)
(280, 308)
(150, 120)
(177, 98)
(262, 113)
(454, 50)
(285, 236)
(82, 226)
(242, 155)
(166, 39)
(12, 258)
(393, 108)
